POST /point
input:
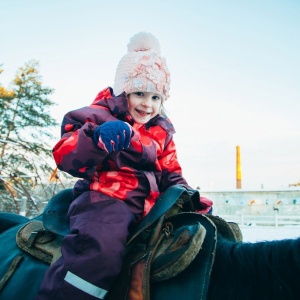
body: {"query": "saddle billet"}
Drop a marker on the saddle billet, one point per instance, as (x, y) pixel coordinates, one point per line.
(34, 239)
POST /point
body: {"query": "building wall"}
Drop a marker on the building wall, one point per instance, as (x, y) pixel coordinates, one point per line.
(283, 202)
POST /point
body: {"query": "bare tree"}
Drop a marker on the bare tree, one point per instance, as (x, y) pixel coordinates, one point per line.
(26, 161)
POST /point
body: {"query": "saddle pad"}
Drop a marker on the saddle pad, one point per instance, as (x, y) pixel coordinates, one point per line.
(28, 272)
(40, 243)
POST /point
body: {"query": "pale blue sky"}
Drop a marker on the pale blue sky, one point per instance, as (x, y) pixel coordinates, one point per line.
(235, 71)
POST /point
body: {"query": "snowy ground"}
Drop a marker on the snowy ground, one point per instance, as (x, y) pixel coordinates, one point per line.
(255, 233)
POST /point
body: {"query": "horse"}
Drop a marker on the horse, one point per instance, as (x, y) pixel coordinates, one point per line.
(232, 268)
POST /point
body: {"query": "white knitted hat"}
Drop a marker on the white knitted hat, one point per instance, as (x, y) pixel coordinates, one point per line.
(143, 68)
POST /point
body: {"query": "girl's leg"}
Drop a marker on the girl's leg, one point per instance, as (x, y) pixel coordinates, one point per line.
(92, 253)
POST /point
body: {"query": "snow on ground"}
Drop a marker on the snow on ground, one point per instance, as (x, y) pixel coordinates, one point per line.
(255, 233)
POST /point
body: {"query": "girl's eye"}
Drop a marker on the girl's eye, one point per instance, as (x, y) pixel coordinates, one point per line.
(156, 98)
(140, 94)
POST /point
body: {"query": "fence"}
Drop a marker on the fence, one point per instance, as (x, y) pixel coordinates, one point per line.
(267, 220)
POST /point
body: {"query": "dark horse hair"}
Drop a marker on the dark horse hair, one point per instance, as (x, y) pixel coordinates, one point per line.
(261, 270)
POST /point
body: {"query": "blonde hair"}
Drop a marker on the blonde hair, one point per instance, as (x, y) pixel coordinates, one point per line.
(162, 109)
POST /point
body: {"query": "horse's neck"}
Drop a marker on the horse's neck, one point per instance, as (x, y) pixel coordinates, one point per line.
(260, 270)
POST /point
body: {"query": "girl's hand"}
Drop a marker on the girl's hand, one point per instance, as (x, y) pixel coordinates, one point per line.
(113, 136)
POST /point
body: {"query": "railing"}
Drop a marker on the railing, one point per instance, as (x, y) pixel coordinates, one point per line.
(270, 220)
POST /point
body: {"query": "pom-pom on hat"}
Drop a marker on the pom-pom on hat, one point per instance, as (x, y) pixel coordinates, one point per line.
(143, 68)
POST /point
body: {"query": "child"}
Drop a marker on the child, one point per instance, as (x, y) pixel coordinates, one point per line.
(122, 148)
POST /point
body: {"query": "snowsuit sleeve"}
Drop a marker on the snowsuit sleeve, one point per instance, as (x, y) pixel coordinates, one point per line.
(72, 157)
(76, 153)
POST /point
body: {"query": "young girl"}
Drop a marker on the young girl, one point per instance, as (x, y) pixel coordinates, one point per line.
(122, 147)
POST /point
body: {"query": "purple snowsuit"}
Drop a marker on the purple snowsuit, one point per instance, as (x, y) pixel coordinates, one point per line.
(101, 216)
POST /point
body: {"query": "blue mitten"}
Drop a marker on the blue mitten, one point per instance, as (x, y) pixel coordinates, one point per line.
(113, 136)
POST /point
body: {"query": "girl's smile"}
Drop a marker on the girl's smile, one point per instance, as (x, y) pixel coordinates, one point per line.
(143, 106)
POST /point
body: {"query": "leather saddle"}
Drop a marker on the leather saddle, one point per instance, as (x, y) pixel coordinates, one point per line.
(42, 238)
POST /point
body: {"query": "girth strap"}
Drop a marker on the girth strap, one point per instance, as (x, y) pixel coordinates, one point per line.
(13, 266)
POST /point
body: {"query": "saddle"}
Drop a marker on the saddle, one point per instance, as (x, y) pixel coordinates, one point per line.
(171, 248)
(42, 238)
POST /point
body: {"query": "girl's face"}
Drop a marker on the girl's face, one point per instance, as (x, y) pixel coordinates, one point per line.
(143, 106)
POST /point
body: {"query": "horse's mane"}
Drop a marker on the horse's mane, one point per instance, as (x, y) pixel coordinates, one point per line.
(262, 270)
